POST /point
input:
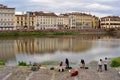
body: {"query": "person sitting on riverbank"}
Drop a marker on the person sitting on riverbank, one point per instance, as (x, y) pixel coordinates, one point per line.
(61, 67)
(35, 67)
(83, 63)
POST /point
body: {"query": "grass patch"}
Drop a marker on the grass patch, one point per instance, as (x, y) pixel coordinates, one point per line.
(45, 63)
(65, 33)
(54, 63)
(115, 62)
(38, 33)
(2, 63)
(93, 63)
(50, 63)
(21, 63)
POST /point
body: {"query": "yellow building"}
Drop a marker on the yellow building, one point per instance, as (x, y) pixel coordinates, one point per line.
(95, 22)
(6, 17)
(20, 21)
(110, 22)
(25, 21)
(80, 20)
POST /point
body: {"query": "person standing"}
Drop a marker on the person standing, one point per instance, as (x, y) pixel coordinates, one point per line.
(67, 63)
(105, 63)
(100, 65)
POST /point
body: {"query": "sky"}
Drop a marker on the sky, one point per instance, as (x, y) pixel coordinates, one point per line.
(99, 8)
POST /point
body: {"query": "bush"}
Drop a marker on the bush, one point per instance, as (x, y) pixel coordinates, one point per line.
(115, 62)
(22, 63)
(16, 34)
(2, 63)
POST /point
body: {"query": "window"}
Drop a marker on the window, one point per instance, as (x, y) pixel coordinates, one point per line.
(17, 18)
(21, 18)
(18, 22)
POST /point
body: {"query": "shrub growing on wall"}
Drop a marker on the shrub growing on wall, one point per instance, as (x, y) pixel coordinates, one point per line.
(22, 63)
(115, 62)
(2, 63)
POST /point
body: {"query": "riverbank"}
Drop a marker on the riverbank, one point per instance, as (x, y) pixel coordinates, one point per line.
(74, 31)
(25, 73)
(52, 32)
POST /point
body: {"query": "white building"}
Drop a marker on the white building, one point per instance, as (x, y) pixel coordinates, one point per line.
(63, 21)
(6, 18)
(45, 20)
(110, 22)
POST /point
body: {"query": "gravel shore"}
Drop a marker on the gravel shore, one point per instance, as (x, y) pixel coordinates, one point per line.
(25, 73)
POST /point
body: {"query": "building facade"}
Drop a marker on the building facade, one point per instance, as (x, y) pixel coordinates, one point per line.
(20, 22)
(45, 20)
(6, 18)
(110, 22)
(80, 20)
(31, 21)
(95, 22)
(63, 21)
(25, 21)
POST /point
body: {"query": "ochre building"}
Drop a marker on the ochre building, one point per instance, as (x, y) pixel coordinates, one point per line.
(25, 21)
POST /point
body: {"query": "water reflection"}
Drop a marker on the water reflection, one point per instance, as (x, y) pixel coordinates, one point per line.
(7, 49)
(50, 45)
(36, 49)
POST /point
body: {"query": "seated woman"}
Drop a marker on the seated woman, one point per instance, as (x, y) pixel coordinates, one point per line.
(61, 67)
(83, 63)
(35, 67)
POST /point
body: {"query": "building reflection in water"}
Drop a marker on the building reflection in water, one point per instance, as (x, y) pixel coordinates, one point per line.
(9, 48)
(50, 45)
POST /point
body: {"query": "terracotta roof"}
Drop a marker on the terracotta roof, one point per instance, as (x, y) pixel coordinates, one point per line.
(2, 6)
(24, 15)
(110, 17)
(20, 15)
(95, 17)
(63, 14)
(78, 13)
(45, 14)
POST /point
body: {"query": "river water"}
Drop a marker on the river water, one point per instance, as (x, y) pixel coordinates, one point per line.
(57, 48)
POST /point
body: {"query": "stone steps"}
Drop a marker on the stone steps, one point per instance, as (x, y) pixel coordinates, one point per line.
(18, 73)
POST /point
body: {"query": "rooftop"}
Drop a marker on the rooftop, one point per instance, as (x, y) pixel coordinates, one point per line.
(78, 13)
(110, 17)
(41, 13)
